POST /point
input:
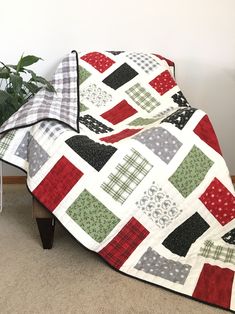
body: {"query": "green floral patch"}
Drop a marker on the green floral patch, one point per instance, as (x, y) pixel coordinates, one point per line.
(82, 107)
(83, 74)
(142, 121)
(92, 216)
(191, 171)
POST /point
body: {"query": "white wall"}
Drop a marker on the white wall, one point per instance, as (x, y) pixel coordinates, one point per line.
(198, 35)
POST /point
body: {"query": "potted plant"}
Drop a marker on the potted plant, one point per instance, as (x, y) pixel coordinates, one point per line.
(18, 84)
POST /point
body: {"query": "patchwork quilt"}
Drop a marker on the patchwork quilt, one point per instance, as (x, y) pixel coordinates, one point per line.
(132, 171)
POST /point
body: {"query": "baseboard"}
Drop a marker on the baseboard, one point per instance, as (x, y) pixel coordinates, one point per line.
(22, 179)
(14, 179)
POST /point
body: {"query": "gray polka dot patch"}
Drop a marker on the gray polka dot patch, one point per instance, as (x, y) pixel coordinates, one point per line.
(161, 142)
(36, 157)
(153, 263)
(22, 149)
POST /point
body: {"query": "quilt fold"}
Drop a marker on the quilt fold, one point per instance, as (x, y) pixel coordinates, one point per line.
(132, 171)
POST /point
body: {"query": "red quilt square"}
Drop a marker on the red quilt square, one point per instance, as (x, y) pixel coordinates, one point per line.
(163, 82)
(119, 136)
(124, 243)
(58, 182)
(169, 62)
(205, 131)
(98, 60)
(219, 201)
(119, 112)
(215, 285)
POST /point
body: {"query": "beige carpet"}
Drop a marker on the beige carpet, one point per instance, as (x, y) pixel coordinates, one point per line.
(68, 278)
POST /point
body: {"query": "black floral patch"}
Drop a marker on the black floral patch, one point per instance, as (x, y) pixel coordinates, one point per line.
(120, 76)
(180, 99)
(229, 237)
(181, 239)
(180, 118)
(115, 53)
(94, 125)
(92, 152)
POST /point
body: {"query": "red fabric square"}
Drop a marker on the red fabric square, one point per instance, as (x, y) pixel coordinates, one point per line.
(98, 60)
(219, 201)
(124, 243)
(163, 82)
(119, 112)
(215, 285)
(205, 131)
(119, 136)
(58, 182)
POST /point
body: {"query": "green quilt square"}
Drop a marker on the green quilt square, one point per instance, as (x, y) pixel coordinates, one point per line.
(5, 142)
(83, 74)
(191, 171)
(92, 216)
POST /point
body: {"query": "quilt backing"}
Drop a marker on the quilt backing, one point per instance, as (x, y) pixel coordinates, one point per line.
(132, 171)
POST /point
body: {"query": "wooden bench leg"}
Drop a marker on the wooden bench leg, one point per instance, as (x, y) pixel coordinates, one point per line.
(46, 227)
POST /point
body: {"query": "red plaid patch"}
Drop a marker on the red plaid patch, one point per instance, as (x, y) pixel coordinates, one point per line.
(58, 182)
(98, 60)
(219, 201)
(123, 245)
(119, 136)
(215, 285)
(119, 112)
(206, 133)
(163, 82)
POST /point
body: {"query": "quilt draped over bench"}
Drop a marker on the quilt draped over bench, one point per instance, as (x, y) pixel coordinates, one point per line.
(131, 170)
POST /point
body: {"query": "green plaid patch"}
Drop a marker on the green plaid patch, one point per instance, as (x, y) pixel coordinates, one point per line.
(217, 252)
(127, 177)
(5, 142)
(142, 97)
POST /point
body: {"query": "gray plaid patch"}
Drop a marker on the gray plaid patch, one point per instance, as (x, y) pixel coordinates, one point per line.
(53, 129)
(155, 264)
(127, 177)
(144, 61)
(5, 142)
(142, 97)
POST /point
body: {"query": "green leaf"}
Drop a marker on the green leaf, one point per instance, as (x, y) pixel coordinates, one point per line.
(50, 88)
(45, 83)
(33, 74)
(3, 96)
(41, 80)
(16, 82)
(28, 60)
(4, 73)
(33, 88)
